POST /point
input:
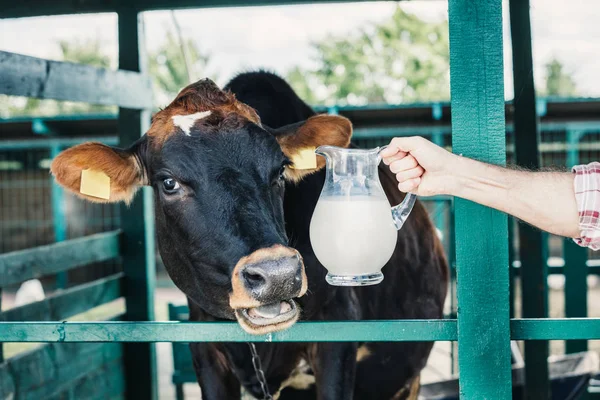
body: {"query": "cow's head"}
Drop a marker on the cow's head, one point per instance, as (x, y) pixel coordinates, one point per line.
(218, 178)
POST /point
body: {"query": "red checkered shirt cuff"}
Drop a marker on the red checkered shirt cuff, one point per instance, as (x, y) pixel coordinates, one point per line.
(587, 193)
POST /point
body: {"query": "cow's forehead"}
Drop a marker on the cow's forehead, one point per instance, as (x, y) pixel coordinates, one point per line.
(202, 102)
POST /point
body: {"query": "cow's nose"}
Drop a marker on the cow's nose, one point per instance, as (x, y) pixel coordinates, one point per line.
(273, 280)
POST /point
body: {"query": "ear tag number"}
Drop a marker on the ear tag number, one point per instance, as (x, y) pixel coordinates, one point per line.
(305, 159)
(95, 184)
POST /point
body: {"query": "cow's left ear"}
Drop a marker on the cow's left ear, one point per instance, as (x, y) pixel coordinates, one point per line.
(320, 130)
(113, 174)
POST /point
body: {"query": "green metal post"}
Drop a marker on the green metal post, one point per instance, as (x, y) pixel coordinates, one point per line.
(438, 139)
(511, 268)
(573, 138)
(59, 218)
(534, 269)
(478, 131)
(137, 223)
(575, 288)
(1, 343)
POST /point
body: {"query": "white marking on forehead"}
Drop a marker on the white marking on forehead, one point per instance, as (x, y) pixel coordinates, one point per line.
(185, 122)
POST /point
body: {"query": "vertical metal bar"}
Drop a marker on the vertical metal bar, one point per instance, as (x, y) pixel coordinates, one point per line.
(511, 268)
(478, 129)
(573, 138)
(575, 261)
(575, 288)
(438, 139)
(1, 343)
(59, 218)
(137, 223)
(534, 269)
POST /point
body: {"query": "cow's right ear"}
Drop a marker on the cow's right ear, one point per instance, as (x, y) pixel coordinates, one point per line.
(319, 130)
(122, 167)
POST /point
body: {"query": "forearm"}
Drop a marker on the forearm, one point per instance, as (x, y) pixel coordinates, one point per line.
(543, 199)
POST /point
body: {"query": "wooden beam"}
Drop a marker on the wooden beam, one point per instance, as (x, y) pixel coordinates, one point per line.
(67, 303)
(137, 222)
(22, 265)
(43, 79)
(478, 131)
(44, 371)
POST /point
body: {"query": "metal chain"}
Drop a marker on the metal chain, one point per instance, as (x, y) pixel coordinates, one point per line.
(260, 375)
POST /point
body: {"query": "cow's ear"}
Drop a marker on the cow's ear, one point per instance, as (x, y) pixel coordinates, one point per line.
(120, 169)
(320, 130)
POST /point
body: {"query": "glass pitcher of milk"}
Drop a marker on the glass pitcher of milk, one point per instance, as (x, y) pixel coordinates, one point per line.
(353, 230)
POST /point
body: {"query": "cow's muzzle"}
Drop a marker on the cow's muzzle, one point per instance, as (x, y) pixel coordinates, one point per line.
(264, 285)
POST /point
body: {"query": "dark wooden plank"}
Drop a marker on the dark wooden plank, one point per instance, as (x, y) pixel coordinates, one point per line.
(42, 372)
(531, 242)
(70, 302)
(28, 8)
(576, 289)
(478, 131)
(107, 382)
(35, 77)
(137, 222)
(19, 266)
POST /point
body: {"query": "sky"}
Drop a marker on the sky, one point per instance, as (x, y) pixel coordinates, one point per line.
(279, 37)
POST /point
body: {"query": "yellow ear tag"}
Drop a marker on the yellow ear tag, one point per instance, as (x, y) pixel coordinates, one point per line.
(95, 184)
(305, 159)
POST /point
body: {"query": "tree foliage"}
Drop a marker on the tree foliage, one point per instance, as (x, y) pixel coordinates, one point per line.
(559, 82)
(167, 67)
(402, 59)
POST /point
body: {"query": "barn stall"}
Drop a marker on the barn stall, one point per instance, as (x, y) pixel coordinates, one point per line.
(122, 355)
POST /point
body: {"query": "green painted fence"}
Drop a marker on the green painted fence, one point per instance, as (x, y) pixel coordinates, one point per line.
(482, 329)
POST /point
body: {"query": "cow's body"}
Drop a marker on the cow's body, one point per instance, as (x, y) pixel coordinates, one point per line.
(414, 288)
(232, 221)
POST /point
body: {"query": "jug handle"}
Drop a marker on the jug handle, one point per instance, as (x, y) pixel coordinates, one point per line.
(400, 212)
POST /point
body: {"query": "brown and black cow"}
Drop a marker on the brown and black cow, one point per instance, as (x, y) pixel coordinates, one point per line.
(232, 217)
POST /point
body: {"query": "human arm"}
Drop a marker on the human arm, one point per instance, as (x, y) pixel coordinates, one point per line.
(543, 199)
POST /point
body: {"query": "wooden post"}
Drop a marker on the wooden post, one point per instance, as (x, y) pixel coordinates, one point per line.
(533, 256)
(478, 131)
(137, 223)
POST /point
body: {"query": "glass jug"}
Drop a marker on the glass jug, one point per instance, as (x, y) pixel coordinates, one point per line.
(353, 230)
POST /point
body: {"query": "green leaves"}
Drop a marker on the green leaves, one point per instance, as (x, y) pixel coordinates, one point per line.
(403, 59)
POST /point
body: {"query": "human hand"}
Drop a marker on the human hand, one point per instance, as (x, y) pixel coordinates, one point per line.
(421, 167)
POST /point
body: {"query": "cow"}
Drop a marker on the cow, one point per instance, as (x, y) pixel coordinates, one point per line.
(232, 220)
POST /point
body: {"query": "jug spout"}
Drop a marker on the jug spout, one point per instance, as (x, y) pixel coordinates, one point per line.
(401, 212)
(325, 151)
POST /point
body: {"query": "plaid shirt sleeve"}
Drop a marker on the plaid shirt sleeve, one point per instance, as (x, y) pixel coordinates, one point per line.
(587, 194)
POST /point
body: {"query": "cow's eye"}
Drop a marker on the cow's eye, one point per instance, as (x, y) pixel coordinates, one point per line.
(170, 185)
(281, 173)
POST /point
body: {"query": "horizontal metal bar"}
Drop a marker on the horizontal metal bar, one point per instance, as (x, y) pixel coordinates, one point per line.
(70, 302)
(47, 143)
(31, 8)
(372, 331)
(19, 266)
(555, 329)
(44, 79)
(592, 270)
(353, 331)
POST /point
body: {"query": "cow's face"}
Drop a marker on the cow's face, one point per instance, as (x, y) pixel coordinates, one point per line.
(218, 178)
